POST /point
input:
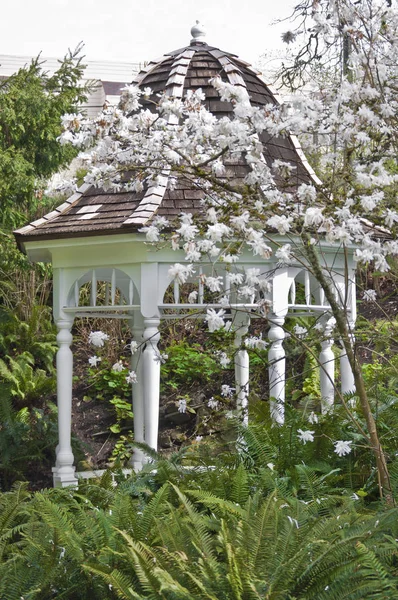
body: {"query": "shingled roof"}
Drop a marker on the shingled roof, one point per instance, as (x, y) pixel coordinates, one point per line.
(92, 211)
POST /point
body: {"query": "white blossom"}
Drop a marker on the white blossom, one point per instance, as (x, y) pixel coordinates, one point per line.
(300, 332)
(284, 254)
(118, 366)
(161, 358)
(369, 295)
(94, 360)
(131, 377)
(313, 217)
(282, 223)
(256, 342)
(214, 283)
(152, 233)
(226, 391)
(98, 338)
(213, 403)
(181, 272)
(193, 296)
(133, 346)
(313, 418)
(240, 221)
(305, 436)
(182, 405)
(342, 448)
(218, 231)
(224, 359)
(215, 319)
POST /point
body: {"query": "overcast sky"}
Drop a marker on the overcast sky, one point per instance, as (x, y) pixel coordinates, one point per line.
(138, 30)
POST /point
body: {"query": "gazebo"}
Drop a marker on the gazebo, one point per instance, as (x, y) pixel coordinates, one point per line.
(93, 238)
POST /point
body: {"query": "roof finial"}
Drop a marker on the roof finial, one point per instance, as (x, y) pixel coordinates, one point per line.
(198, 33)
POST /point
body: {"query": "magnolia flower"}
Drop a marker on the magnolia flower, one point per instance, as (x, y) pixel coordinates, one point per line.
(369, 296)
(342, 448)
(212, 403)
(199, 438)
(235, 278)
(300, 332)
(188, 231)
(94, 360)
(226, 391)
(152, 233)
(313, 217)
(98, 338)
(312, 418)
(305, 436)
(214, 283)
(270, 466)
(193, 296)
(281, 223)
(217, 231)
(182, 405)
(224, 360)
(161, 358)
(252, 276)
(215, 319)
(240, 221)
(181, 272)
(118, 366)
(133, 347)
(131, 377)
(284, 254)
(254, 342)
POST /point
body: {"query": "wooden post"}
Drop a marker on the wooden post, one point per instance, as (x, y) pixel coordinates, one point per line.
(346, 374)
(64, 471)
(151, 381)
(277, 368)
(242, 368)
(138, 459)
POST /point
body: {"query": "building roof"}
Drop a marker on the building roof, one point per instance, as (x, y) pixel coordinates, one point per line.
(92, 211)
(110, 77)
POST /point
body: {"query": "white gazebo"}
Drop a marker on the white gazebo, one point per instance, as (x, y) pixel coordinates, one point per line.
(93, 238)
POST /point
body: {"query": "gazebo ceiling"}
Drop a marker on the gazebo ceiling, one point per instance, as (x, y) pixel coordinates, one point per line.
(92, 211)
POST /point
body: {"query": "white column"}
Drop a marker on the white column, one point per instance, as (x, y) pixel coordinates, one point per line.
(277, 368)
(151, 381)
(346, 374)
(64, 471)
(138, 458)
(326, 370)
(242, 371)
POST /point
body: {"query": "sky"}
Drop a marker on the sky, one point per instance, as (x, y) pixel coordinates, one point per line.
(139, 30)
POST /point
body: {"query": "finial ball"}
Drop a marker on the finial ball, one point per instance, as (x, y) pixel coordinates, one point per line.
(198, 33)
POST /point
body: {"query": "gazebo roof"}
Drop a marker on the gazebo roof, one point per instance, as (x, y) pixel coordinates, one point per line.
(92, 211)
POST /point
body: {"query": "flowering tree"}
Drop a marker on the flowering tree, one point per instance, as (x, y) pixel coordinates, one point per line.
(355, 204)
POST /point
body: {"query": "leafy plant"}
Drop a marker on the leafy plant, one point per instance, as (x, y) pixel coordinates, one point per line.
(187, 364)
(28, 437)
(25, 383)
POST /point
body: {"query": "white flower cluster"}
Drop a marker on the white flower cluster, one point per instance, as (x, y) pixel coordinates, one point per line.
(341, 448)
(256, 342)
(131, 377)
(98, 338)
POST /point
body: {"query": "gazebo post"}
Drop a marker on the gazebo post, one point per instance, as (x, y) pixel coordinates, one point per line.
(242, 367)
(346, 374)
(64, 471)
(137, 329)
(277, 368)
(326, 372)
(151, 381)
